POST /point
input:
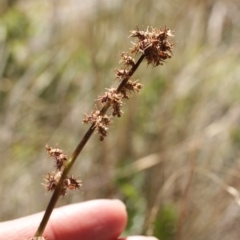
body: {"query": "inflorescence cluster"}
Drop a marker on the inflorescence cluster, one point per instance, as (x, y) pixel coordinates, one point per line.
(152, 45)
(155, 47)
(52, 179)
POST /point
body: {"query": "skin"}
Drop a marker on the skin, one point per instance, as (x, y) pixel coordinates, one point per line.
(92, 220)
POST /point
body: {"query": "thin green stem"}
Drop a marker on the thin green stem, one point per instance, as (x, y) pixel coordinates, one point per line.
(77, 151)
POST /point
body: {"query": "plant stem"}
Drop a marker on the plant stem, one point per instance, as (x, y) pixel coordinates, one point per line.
(77, 151)
(131, 72)
(57, 191)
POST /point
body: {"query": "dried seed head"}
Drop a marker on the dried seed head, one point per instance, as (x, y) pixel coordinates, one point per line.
(155, 47)
(52, 180)
(53, 152)
(73, 183)
(102, 130)
(58, 155)
(92, 117)
(127, 60)
(130, 86)
(115, 100)
(106, 120)
(100, 122)
(141, 35)
(110, 96)
(122, 74)
(154, 44)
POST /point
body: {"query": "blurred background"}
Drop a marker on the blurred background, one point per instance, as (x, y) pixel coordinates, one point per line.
(173, 157)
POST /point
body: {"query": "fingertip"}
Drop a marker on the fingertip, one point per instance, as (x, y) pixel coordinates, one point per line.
(120, 205)
(96, 219)
(91, 220)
